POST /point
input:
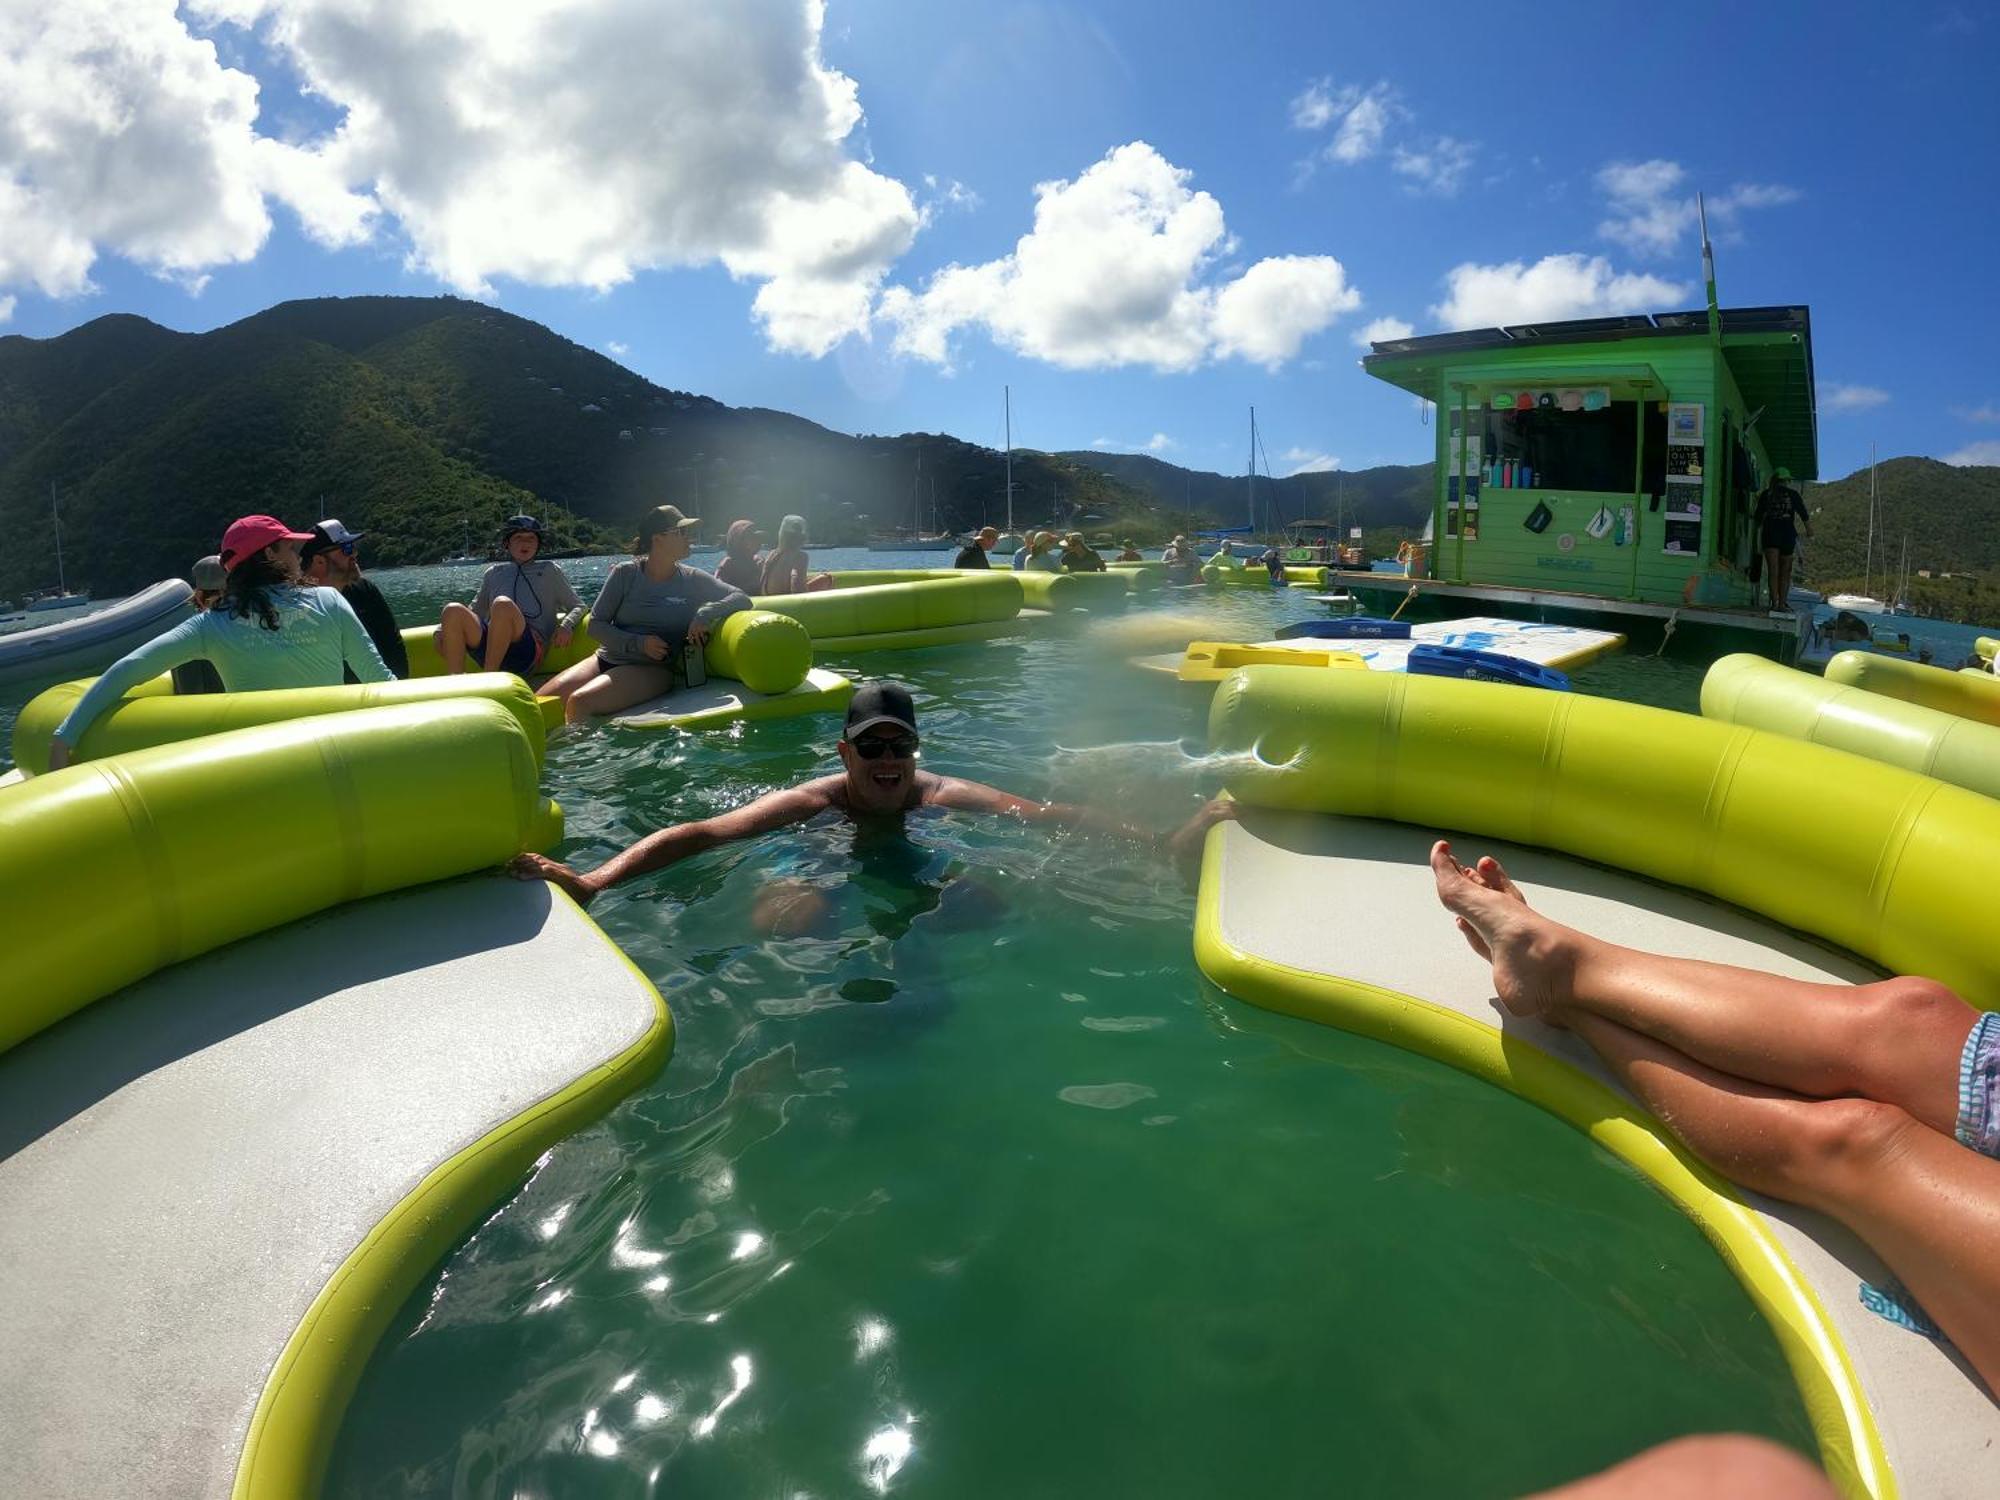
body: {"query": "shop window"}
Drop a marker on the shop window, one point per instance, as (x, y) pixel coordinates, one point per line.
(1562, 449)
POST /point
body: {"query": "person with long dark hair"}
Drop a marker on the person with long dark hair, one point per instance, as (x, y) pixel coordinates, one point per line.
(652, 610)
(270, 629)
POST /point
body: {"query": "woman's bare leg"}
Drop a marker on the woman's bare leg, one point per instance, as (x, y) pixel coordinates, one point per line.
(1927, 1205)
(1897, 1040)
(618, 687)
(564, 684)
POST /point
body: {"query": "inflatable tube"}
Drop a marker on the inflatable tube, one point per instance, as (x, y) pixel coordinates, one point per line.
(1869, 856)
(1985, 647)
(115, 868)
(1062, 591)
(936, 635)
(1750, 690)
(92, 642)
(918, 604)
(154, 715)
(1916, 682)
(766, 652)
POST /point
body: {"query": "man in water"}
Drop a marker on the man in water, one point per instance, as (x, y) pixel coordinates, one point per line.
(878, 783)
(328, 561)
(973, 554)
(1182, 564)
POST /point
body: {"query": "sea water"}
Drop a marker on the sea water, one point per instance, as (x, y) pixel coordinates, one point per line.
(976, 1187)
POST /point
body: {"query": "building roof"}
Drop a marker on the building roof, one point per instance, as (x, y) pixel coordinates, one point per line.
(1768, 350)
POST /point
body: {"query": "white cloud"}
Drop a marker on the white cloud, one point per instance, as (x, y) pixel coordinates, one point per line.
(1985, 453)
(946, 193)
(1438, 167)
(1990, 412)
(1313, 109)
(1307, 461)
(464, 131)
(1835, 396)
(1364, 120)
(1651, 213)
(1159, 442)
(613, 346)
(1554, 287)
(1112, 274)
(1383, 328)
(6, 308)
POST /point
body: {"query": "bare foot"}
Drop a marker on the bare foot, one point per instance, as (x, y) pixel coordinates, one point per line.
(1533, 958)
(577, 887)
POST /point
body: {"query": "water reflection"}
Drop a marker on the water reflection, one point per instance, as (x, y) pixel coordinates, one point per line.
(885, 1454)
(739, 1369)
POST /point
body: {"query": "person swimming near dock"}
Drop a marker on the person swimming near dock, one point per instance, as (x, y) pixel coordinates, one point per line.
(1877, 1104)
(879, 782)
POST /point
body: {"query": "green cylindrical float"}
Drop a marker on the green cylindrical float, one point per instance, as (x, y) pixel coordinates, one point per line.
(113, 869)
(152, 714)
(1967, 695)
(1753, 691)
(1870, 856)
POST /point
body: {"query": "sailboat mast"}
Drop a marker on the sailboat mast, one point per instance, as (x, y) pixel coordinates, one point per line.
(1007, 397)
(1868, 556)
(1250, 480)
(55, 518)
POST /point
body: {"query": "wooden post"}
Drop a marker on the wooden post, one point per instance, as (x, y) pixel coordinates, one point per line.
(1638, 484)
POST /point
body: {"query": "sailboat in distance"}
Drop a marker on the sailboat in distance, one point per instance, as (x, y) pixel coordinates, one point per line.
(61, 597)
(1011, 541)
(1864, 601)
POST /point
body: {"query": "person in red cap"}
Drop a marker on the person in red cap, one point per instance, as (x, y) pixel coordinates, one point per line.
(270, 629)
(879, 781)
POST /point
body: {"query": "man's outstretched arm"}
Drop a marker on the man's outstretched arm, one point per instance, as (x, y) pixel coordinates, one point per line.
(671, 845)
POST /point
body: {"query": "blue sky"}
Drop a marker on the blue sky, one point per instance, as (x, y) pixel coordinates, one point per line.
(1427, 164)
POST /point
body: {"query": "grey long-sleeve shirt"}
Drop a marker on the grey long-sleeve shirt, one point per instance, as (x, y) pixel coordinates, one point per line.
(633, 606)
(548, 600)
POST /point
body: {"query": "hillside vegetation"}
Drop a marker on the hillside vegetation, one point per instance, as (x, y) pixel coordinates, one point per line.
(1951, 517)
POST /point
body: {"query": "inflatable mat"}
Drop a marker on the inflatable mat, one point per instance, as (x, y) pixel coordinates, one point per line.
(1562, 647)
(722, 703)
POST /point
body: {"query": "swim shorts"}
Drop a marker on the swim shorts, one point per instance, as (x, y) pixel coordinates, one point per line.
(1979, 1087)
(522, 653)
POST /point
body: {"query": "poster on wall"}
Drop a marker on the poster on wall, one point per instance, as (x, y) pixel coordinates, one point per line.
(1684, 422)
(1681, 534)
(1683, 537)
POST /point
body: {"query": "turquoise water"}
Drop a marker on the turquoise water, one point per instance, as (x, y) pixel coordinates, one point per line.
(977, 1188)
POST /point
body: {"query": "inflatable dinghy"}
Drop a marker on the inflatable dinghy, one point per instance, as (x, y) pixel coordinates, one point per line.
(91, 642)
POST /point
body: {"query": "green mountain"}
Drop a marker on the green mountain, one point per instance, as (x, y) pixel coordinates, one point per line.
(423, 421)
(1393, 495)
(1950, 516)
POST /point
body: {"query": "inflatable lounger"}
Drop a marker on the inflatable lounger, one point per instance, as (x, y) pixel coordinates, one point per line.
(219, 1182)
(1313, 907)
(1968, 695)
(92, 642)
(1751, 690)
(1563, 648)
(769, 654)
(1426, 660)
(722, 703)
(153, 714)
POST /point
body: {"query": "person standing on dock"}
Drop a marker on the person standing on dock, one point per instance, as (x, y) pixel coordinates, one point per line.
(1778, 538)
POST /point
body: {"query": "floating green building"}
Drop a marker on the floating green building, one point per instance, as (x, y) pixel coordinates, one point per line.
(1609, 465)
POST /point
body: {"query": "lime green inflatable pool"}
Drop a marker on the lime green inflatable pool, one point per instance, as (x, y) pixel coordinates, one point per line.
(1750, 690)
(1968, 695)
(918, 608)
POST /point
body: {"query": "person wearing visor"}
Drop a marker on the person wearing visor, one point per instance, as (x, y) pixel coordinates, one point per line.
(328, 561)
(878, 780)
(652, 610)
(524, 606)
(270, 629)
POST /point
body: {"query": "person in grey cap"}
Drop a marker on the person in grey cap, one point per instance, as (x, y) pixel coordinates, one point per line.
(879, 780)
(328, 560)
(209, 577)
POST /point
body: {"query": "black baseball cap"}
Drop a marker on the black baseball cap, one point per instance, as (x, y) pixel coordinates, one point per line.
(329, 533)
(879, 703)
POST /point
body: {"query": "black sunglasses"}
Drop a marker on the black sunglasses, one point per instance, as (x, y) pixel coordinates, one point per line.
(902, 746)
